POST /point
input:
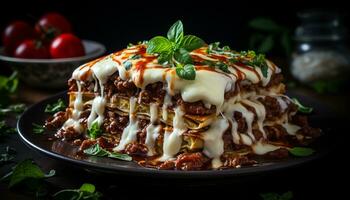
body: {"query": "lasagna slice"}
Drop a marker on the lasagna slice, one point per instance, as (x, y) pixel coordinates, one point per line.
(229, 115)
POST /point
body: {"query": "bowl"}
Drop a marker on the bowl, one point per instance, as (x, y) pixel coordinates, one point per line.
(51, 73)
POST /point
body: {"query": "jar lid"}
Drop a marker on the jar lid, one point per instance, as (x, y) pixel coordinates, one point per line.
(317, 25)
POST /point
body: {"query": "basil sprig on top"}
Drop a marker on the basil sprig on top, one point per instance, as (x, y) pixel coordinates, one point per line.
(174, 50)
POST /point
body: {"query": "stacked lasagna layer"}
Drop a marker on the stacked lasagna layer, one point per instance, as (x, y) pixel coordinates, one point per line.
(222, 119)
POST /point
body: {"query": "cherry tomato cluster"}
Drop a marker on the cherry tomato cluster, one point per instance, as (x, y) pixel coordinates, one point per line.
(51, 37)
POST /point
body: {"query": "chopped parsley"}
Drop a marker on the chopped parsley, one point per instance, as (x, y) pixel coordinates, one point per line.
(55, 107)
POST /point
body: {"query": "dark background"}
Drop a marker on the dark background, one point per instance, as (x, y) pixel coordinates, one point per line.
(116, 23)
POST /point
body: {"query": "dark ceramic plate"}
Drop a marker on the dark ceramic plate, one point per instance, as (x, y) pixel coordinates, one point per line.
(64, 151)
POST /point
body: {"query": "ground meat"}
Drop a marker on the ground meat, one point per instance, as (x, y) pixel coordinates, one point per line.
(193, 108)
(85, 86)
(241, 123)
(305, 130)
(276, 79)
(136, 149)
(125, 87)
(167, 165)
(272, 107)
(114, 123)
(277, 154)
(86, 144)
(190, 161)
(257, 134)
(67, 133)
(56, 120)
(236, 161)
(104, 143)
(275, 133)
(152, 93)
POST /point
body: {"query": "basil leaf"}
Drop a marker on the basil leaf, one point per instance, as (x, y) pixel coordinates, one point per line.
(165, 57)
(159, 44)
(119, 156)
(191, 42)
(96, 150)
(223, 67)
(301, 151)
(127, 65)
(183, 56)
(135, 57)
(86, 191)
(176, 32)
(25, 170)
(38, 129)
(187, 72)
(55, 107)
(95, 130)
(87, 187)
(302, 108)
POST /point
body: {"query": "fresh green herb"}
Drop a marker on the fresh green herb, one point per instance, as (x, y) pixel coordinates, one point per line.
(55, 107)
(187, 72)
(87, 191)
(174, 50)
(301, 151)
(14, 108)
(38, 129)
(274, 196)
(8, 86)
(6, 130)
(8, 156)
(95, 131)
(135, 56)
(26, 170)
(302, 108)
(96, 150)
(223, 67)
(127, 64)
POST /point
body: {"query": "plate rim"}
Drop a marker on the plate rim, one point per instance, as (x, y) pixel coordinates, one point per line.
(143, 171)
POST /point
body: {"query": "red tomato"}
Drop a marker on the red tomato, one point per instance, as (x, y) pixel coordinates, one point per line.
(66, 45)
(54, 24)
(14, 34)
(32, 49)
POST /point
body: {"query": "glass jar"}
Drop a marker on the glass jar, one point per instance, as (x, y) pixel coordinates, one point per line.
(321, 53)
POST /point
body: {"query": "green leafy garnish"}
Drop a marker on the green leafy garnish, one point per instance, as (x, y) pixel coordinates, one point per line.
(8, 86)
(97, 150)
(246, 57)
(26, 170)
(274, 196)
(95, 130)
(127, 64)
(301, 151)
(187, 72)
(8, 156)
(87, 191)
(55, 107)
(174, 50)
(38, 129)
(302, 108)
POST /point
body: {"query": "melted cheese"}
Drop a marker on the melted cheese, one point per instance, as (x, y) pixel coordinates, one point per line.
(152, 130)
(129, 134)
(261, 148)
(97, 111)
(73, 121)
(213, 142)
(173, 140)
